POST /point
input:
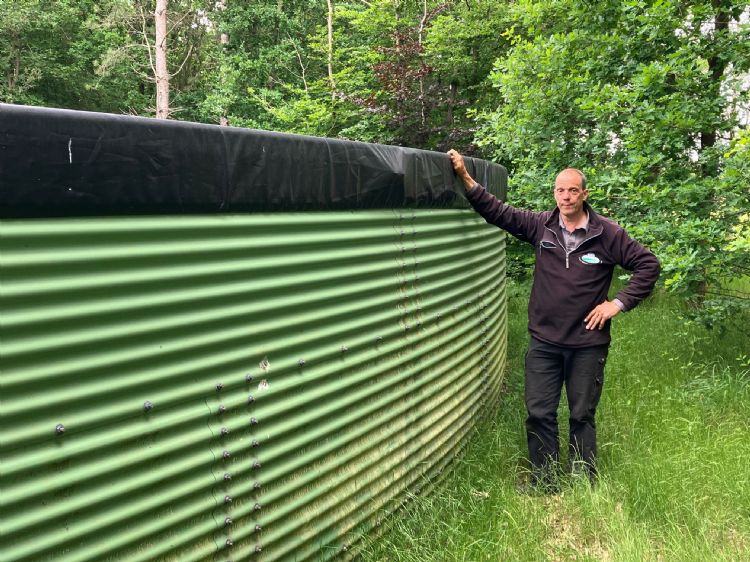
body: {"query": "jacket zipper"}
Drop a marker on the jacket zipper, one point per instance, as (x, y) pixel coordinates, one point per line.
(567, 253)
(567, 263)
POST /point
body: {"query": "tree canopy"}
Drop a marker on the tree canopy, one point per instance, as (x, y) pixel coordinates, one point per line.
(649, 98)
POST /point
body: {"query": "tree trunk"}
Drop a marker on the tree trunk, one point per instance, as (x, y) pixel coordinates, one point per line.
(160, 54)
(15, 73)
(422, 108)
(717, 65)
(15, 69)
(221, 5)
(330, 49)
(452, 91)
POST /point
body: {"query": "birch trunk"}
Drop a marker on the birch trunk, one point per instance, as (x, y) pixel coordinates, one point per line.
(422, 23)
(160, 54)
(221, 5)
(330, 48)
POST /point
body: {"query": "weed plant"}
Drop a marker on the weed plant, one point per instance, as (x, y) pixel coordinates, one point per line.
(674, 460)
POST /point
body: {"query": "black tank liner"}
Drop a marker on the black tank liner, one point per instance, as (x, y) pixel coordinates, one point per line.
(57, 162)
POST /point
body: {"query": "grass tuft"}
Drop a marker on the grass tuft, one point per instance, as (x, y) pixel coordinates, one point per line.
(674, 440)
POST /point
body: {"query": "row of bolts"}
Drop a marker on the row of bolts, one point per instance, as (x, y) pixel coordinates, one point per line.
(228, 475)
(148, 406)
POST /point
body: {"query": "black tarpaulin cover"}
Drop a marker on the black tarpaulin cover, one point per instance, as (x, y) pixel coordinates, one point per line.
(56, 162)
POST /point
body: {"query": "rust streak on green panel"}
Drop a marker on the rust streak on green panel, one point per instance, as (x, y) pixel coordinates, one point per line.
(205, 387)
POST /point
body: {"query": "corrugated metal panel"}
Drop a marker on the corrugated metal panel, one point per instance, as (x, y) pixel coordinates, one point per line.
(248, 387)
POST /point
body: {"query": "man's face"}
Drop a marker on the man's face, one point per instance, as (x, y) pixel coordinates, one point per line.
(570, 194)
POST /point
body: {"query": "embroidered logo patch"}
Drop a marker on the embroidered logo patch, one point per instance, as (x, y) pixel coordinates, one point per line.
(590, 258)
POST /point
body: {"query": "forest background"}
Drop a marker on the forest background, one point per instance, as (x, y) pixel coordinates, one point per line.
(649, 98)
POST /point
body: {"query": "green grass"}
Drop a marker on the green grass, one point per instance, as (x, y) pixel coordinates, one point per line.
(674, 439)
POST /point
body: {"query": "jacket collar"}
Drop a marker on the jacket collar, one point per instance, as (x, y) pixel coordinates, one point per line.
(595, 222)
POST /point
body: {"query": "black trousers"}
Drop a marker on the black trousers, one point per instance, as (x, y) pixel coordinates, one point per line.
(548, 367)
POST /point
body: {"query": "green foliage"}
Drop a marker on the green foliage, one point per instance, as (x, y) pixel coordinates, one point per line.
(649, 98)
(82, 54)
(645, 97)
(48, 52)
(265, 65)
(405, 72)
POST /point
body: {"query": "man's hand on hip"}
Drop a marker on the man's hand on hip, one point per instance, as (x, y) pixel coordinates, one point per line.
(597, 318)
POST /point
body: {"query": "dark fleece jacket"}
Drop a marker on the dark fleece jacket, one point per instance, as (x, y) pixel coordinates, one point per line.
(567, 287)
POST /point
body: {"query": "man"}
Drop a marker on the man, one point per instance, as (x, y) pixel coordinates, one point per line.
(569, 314)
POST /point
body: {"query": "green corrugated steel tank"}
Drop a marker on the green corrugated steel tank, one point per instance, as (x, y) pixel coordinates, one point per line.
(237, 386)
